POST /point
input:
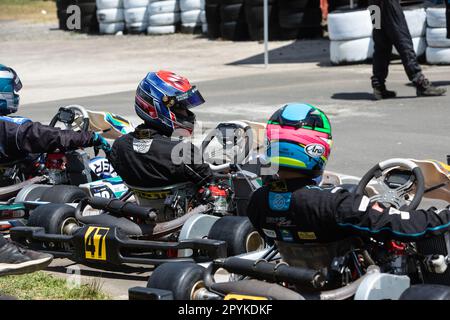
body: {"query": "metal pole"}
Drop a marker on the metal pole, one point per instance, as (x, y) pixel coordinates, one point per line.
(266, 33)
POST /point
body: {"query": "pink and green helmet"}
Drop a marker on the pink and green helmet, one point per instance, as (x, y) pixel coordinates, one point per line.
(299, 137)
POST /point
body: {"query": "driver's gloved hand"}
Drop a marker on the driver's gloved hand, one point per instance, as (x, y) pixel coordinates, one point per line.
(99, 142)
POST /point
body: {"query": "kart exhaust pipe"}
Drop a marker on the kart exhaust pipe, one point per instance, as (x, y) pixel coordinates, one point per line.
(350, 289)
(263, 270)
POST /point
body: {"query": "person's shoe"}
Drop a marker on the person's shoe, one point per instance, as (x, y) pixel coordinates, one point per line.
(381, 92)
(426, 89)
(15, 259)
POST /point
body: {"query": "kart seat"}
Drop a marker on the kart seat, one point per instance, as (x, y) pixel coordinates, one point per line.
(156, 197)
(257, 288)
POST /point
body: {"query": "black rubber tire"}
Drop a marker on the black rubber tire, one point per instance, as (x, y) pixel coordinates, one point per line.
(234, 230)
(233, 31)
(310, 33)
(232, 12)
(34, 195)
(178, 277)
(228, 2)
(63, 194)
(51, 217)
(63, 4)
(294, 5)
(312, 18)
(290, 20)
(255, 21)
(88, 8)
(212, 12)
(426, 292)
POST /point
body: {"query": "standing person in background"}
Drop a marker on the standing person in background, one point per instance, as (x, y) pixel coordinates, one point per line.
(447, 3)
(394, 32)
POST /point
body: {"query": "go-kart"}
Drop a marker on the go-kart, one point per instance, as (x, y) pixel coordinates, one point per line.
(54, 177)
(181, 222)
(354, 268)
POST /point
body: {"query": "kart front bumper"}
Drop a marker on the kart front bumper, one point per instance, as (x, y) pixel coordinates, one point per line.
(100, 245)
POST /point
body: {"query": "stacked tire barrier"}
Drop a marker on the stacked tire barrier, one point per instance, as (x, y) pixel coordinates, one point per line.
(136, 15)
(110, 16)
(61, 7)
(300, 18)
(190, 15)
(350, 33)
(438, 50)
(212, 15)
(163, 17)
(88, 23)
(254, 10)
(233, 22)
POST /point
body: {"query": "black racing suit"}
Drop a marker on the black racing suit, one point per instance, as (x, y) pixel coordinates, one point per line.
(145, 158)
(393, 32)
(19, 140)
(316, 215)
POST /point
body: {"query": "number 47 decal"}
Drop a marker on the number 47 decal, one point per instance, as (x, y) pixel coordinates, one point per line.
(94, 243)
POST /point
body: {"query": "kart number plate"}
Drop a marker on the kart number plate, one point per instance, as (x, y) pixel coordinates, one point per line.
(95, 244)
(243, 297)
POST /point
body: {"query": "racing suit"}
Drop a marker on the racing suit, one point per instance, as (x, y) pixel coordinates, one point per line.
(393, 31)
(146, 158)
(300, 213)
(20, 138)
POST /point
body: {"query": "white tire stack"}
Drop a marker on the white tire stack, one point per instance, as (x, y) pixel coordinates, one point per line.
(438, 50)
(163, 16)
(351, 36)
(416, 20)
(191, 11)
(136, 15)
(110, 16)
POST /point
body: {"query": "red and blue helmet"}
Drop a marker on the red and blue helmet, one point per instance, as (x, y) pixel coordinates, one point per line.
(299, 138)
(164, 99)
(9, 86)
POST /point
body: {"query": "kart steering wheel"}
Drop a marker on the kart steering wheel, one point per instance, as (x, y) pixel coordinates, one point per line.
(237, 145)
(73, 117)
(394, 197)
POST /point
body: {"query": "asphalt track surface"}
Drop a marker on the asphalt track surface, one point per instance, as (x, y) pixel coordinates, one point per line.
(364, 131)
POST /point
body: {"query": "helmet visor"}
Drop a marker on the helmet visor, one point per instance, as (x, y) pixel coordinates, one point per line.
(189, 99)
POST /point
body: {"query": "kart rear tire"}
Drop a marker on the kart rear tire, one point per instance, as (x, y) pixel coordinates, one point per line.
(63, 194)
(239, 234)
(179, 277)
(52, 217)
(31, 193)
(426, 292)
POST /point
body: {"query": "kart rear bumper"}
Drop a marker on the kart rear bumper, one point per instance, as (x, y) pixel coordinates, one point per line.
(99, 245)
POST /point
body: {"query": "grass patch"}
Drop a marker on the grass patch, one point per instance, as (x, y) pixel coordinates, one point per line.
(31, 10)
(43, 286)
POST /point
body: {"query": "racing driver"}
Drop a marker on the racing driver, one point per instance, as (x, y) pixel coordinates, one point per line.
(18, 138)
(293, 211)
(152, 156)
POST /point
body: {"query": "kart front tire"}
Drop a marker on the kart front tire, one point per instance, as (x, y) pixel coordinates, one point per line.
(52, 217)
(239, 234)
(63, 194)
(181, 278)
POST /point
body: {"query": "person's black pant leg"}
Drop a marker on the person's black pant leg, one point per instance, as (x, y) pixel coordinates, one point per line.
(394, 22)
(381, 57)
(382, 51)
(447, 14)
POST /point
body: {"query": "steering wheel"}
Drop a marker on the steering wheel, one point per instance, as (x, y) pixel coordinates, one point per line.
(73, 117)
(398, 196)
(237, 140)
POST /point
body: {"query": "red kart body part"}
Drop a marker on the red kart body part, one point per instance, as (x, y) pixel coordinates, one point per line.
(396, 247)
(55, 161)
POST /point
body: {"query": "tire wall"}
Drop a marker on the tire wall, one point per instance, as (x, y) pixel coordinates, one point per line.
(88, 9)
(438, 50)
(350, 32)
(164, 17)
(110, 15)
